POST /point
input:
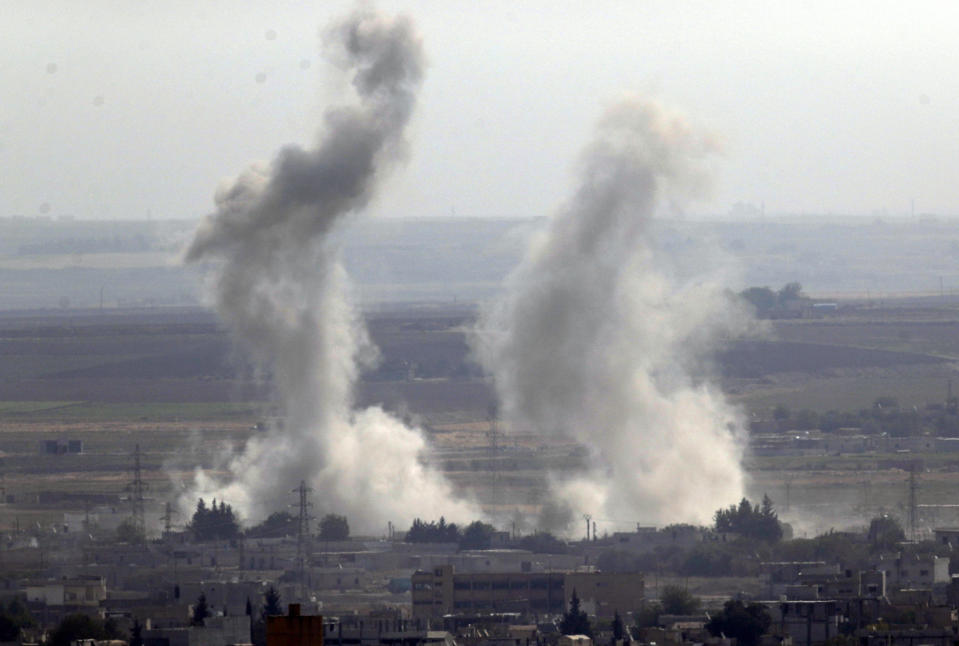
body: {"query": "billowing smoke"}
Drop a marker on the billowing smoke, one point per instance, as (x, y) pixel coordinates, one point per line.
(282, 291)
(594, 342)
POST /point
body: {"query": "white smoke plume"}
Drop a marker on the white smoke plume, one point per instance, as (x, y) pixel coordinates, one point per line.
(593, 341)
(281, 290)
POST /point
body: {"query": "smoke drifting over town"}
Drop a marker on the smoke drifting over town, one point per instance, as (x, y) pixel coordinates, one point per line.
(284, 294)
(592, 339)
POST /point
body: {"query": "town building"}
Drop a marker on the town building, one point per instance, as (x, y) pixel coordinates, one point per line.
(441, 591)
(294, 629)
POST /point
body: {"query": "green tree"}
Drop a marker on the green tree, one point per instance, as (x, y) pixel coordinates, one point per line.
(751, 521)
(334, 528)
(277, 525)
(676, 600)
(885, 402)
(709, 559)
(79, 626)
(781, 413)
(885, 533)
(433, 532)
(613, 560)
(618, 630)
(543, 543)
(762, 299)
(575, 621)
(745, 623)
(789, 292)
(477, 536)
(200, 611)
(806, 420)
(271, 603)
(648, 615)
(9, 630)
(13, 619)
(130, 532)
(136, 633)
(214, 523)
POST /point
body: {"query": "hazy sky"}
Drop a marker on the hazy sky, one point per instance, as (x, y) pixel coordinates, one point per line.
(111, 109)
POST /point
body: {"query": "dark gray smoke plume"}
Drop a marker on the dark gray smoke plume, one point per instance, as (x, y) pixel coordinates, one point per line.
(592, 339)
(284, 294)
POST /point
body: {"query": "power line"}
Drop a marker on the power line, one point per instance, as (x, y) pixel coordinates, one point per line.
(302, 530)
(913, 502)
(167, 518)
(493, 436)
(136, 489)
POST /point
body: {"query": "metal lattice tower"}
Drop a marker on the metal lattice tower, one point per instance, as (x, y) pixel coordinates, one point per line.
(167, 518)
(302, 531)
(493, 437)
(136, 489)
(913, 503)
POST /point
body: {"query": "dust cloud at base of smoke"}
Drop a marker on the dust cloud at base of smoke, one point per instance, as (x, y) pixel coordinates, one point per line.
(594, 341)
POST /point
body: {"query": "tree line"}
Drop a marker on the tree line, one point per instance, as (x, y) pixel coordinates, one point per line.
(220, 522)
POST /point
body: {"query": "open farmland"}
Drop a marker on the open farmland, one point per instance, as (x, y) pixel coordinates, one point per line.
(172, 383)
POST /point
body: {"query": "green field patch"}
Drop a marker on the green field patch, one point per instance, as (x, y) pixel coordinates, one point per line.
(38, 366)
(849, 393)
(102, 412)
(27, 408)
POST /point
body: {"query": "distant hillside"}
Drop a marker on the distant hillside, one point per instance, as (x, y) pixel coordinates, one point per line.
(62, 264)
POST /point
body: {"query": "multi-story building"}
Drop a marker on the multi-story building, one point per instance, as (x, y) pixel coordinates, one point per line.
(806, 622)
(441, 591)
(294, 629)
(911, 570)
(78, 591)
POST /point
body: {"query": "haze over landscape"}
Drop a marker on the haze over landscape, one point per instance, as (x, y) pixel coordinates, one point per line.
(457, 280)
(119, 111)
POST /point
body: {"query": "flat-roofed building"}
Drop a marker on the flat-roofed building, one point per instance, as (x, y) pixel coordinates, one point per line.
(294, 629)
(441, 591)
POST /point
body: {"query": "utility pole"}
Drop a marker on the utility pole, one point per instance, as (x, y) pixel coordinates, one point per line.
(913, 502)
(587, 518)
(302, 531)
(866, 497)
(136, 488)
(167, 518)
(493, 437)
